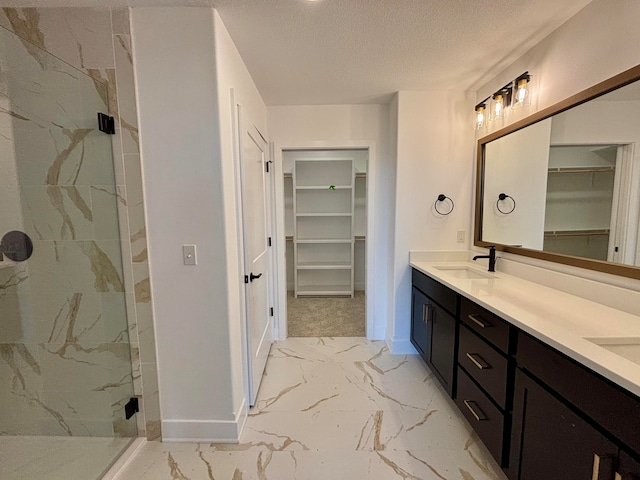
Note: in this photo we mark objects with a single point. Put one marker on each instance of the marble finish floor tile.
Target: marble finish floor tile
(58, 458)
(342, 408)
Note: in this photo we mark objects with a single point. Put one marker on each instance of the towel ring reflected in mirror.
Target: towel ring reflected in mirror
(501, 198)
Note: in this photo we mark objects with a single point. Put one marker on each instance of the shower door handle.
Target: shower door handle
(16, 245)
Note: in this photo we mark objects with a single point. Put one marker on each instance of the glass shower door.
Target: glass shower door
(65, 366)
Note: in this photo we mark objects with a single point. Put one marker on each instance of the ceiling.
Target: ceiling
(361, 51)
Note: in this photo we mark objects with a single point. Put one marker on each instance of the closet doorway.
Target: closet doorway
(325, 219)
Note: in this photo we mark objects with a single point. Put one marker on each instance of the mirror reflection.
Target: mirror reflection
(569, 184)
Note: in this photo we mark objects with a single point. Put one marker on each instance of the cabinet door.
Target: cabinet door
(442, 339)
(549, 441)
(419, 322)
(628, 468)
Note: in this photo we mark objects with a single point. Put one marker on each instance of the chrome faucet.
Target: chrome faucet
(491, 257)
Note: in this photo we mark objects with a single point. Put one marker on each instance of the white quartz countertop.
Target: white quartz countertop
(559, 319)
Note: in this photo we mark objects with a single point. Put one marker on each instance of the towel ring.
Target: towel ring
(441, 198)
(504, 196)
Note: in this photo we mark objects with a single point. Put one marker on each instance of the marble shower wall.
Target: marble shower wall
(68, 332)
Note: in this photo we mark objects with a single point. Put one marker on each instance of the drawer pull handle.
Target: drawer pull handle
(424, 314)
(478, 416)
(596, 467)
(478, 320)
(478, 361)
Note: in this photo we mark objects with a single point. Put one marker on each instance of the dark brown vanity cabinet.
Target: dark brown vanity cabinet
(542, 415)
(568, 422)
(628, 467)
(549, 440)
(434, 327)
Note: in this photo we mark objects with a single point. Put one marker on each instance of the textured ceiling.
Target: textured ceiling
(361, 51)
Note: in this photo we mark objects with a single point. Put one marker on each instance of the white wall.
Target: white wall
(186, 134)
(597, 122)
(232, 74)
(434, 145)
(597, 43)
(517, 165)
(319, 126)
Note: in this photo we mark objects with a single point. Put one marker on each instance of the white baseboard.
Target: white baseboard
(210, 431)
(125, 459)
(399, 347)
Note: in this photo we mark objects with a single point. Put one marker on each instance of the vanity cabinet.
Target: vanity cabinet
(628, 467)
(541, 414)
(549, 440)
(434, 327)
(568, 422)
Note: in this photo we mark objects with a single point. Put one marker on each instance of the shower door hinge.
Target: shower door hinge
(106, 124)
(271, 311)
(131, 408)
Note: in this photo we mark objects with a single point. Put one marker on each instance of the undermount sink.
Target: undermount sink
(626, 347)
(464, 272)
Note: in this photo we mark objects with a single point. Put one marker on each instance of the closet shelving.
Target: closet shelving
(576, 233)
(580, 190)
(323, 239)
(582, 170)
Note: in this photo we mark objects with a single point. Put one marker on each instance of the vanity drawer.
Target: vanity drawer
(486, 324)
(485, 418)
(446, 297)
(485, 364)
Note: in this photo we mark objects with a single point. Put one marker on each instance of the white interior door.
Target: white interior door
(255, 202)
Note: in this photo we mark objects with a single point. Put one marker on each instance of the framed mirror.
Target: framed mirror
(563, 185)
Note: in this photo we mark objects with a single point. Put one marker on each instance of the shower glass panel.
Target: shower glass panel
(65, 366)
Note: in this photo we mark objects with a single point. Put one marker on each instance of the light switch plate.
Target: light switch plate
(461, 236)
(189, 254)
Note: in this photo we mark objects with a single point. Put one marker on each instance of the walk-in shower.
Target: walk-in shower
(65, 366)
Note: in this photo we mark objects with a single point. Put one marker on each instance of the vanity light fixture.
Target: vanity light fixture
(481, 115)
(513, 95)
(522, 95)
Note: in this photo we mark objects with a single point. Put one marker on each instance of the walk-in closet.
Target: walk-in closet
(325, 226)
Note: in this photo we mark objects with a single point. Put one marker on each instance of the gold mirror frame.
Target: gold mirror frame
(613, 83)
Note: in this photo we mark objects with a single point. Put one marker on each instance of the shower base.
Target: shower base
(58, 458)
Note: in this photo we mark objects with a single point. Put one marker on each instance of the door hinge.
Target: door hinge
(269, 241)
(131, 408)
(615, 249)
(271, 311)
(266, 165)
(246, 279)
(106, 124)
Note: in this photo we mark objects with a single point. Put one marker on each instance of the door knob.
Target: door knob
(253, 277)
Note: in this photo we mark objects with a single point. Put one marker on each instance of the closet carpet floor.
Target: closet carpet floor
(335, 409)
(326, 316)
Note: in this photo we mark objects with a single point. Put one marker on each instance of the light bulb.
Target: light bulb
(498, 106)
(480, 117)
(521, 94)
